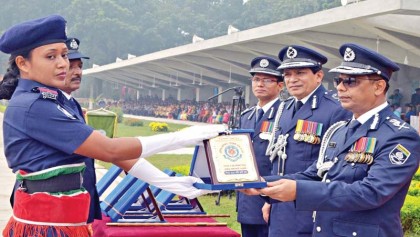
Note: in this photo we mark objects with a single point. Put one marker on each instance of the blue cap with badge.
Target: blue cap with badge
(31, 34)
(266, 65)
(295, 56)
(358, 60)
(73, 46)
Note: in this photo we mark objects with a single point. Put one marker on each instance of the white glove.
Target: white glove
(187, 137)
(182, 186)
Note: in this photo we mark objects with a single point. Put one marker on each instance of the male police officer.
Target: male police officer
(74, 76)
(72, 83)
(366, 165)
(303, 119)
(266, 86)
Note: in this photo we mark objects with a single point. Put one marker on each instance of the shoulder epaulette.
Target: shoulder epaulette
(45, 93)
(290, 98)
(396, 123)
(331, 95)
(247, 110)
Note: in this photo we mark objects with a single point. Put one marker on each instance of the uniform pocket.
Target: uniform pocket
(352, 172)
(304, 222)
(350, 229)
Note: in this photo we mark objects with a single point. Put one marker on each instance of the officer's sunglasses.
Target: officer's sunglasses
(351, 82)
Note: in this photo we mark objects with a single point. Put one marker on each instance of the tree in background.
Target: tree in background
(116, 28)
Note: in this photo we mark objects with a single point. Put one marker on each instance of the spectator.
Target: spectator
(409, 112)
(415, 100)
(395, 99)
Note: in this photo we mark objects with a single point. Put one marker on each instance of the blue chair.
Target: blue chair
(107, 179)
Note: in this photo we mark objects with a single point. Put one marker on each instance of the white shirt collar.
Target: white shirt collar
(366, 116)
(68, 96)
(267, 106)
(306, 98)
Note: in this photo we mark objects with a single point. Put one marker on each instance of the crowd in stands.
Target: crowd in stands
(409, 109)
(203, 111)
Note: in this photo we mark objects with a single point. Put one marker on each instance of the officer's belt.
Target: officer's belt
(60, 183)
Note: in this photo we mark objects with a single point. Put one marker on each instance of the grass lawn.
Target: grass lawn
(131, 131)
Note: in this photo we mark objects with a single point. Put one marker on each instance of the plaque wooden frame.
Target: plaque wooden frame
(203, 166)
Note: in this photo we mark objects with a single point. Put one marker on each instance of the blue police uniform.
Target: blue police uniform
(367, 172)
(89, 176)
(41, 133)
(249, 207)
(321, 107)
(359, 199)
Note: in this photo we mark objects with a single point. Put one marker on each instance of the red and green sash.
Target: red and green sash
(36, 213)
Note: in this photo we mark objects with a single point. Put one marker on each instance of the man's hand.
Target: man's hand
(266, 211)
(283, 190)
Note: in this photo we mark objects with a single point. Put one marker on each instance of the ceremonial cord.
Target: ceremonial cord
(322, 166)
(271, 145)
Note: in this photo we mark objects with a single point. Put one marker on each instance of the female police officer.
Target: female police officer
(45, 142)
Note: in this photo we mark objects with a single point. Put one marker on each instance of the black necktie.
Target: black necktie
(354, 124)
(298, 105)
(260, 113)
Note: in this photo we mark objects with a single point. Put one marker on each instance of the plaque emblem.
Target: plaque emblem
(231, 152)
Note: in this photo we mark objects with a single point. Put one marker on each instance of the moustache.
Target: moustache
(76, 79)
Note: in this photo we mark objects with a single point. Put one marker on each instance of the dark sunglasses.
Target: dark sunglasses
(350, 81)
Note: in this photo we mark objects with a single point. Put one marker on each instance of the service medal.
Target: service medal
(348, 157)
(298, 130)
(307, 138)
(301, 137)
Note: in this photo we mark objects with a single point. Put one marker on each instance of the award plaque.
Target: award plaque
(227, 162)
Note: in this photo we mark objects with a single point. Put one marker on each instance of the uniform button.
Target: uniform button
(352, 164)
(335, 160)
(354, 234)
(318, 229)
(328, 181)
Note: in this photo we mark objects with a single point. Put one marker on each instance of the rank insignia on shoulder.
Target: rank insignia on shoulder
(247, 110)
(399, 155)
(398, 123)
(46, 93)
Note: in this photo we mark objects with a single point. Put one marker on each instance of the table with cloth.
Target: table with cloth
(102, 230)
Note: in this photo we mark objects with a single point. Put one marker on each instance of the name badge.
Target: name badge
(265, 135)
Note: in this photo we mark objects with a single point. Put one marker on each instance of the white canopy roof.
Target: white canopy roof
(392, 27)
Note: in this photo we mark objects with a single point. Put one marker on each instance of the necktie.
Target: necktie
(260, 113)
(298, 105)
(73, 105)
(354, 124)
(76, 107)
